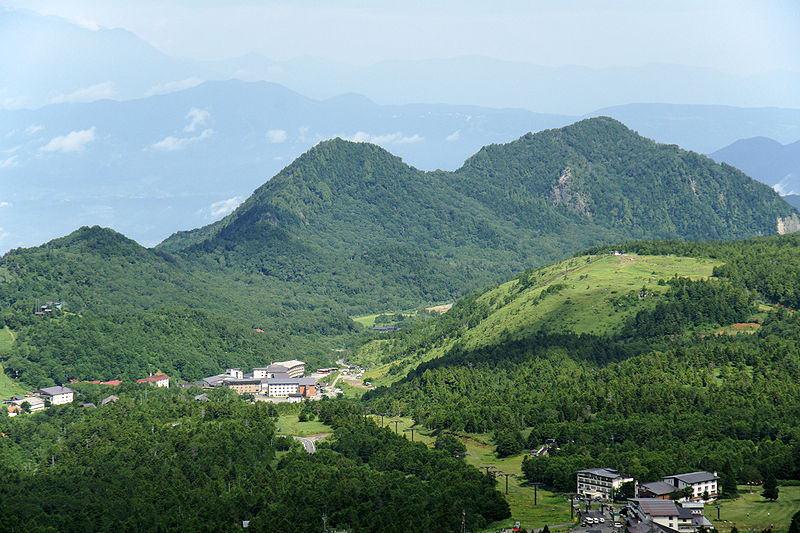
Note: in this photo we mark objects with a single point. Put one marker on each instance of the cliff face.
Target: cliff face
(788, 224)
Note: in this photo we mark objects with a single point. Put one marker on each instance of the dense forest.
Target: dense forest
(157, 460)
(366, 229)
(673, 387)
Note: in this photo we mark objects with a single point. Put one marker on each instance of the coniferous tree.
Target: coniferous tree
(770, 488)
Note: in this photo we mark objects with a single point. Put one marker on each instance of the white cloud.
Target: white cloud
(453, 136)
(4, 204)
(196, 117)
(223, 207)
(33, 128)
(87, 94)
(8, 163)
(173, 86)
(276, 136)
(172, 144)
(3, 234)
(74, 141)
(386, 138)
(85, 23)
(15, 102)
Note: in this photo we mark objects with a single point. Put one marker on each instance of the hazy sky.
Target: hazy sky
(736, 36)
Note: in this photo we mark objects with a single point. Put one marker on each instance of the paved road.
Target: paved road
(309, 443)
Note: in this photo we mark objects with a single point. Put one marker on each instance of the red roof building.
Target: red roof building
(113, 382)
(159, 380)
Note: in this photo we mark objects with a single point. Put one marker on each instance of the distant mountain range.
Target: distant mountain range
(48, 60)
(766, 160)
(163, 150)
(152, 166)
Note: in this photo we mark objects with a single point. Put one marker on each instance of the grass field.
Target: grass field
(751, 511)
(7, 386)
(368, 321)
(289, 425)
(590, 302)
(6, 339)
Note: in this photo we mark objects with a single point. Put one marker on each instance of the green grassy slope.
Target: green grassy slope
(8, 387)
(590, 294)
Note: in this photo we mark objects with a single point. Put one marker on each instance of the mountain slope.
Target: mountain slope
(623, 367)
(345, 207)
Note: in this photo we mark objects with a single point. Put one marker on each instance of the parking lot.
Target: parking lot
(601, 522)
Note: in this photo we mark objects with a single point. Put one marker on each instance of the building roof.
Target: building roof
(52, 391)
(275, 367)
(202, 397)
(602, 472)
(656, 506)
(659, 488)
(153, 379)
(290, 363)
(694, 477)
(114, 382)
(243, 382)
(108, 399)
(289, 381)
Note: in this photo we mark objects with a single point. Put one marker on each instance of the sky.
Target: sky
(738, 37)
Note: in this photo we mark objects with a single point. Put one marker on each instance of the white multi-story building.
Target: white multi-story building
(269, 371)
(57, 395)
(701, 483)
(282, 388)
(294, 368)
(34, 403)
(599, 482)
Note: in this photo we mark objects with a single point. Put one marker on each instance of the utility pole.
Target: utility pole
(412, 430)
(572, 505)
(487, 469)
(507, 476)
(535, 486)
(395, 425)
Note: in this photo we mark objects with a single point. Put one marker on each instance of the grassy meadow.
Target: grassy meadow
(290, 425)
(7, 386)
(596, 298)
(752, 511)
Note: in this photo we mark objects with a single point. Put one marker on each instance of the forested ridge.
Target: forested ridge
(366, 229)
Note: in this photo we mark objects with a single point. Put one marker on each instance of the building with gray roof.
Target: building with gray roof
(599, 482)
(704, 485)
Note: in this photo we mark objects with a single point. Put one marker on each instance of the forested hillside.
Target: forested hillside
(157, 460)
(350, 229)
(696, 374)
(362, 227)
(128, 310)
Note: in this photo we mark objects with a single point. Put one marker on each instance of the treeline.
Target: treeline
(184, 343)
(157, 460)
